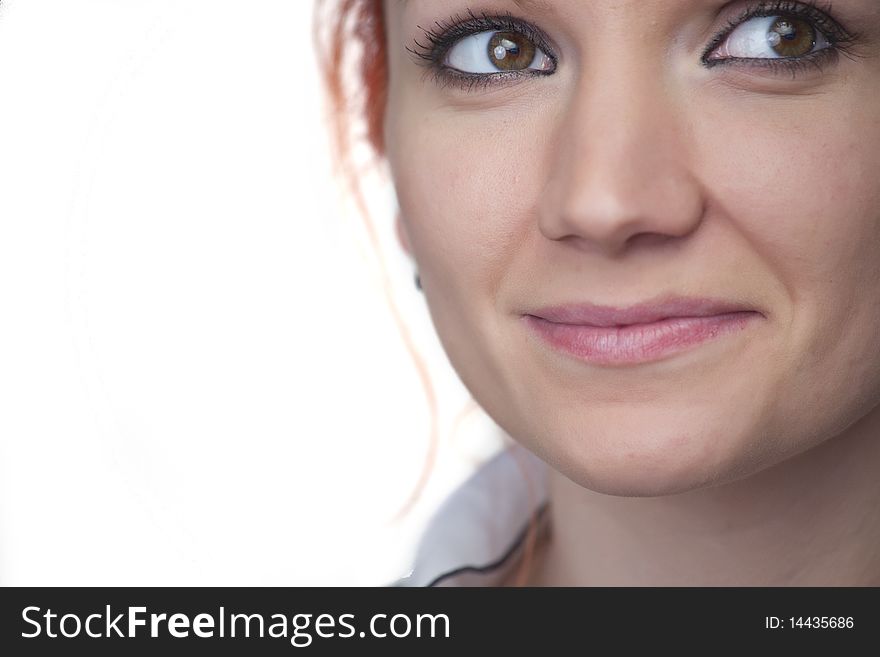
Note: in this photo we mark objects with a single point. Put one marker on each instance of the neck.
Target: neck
(813, 520)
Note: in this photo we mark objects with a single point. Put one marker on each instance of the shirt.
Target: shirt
(477, 535)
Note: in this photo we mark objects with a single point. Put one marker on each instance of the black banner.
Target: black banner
(115, 621)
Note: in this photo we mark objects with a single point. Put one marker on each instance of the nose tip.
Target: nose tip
(611, 218)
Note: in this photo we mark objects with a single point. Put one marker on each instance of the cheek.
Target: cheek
(461, 182)
(803, 186)
(803, 189)
(466, 186)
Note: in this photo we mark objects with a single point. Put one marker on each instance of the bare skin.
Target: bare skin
(621, 168)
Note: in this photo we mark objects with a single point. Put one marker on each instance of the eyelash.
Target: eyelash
(449, 32)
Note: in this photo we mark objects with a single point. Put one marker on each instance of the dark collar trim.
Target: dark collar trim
(539, 513)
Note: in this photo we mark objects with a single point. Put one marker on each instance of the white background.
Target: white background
(201, 382)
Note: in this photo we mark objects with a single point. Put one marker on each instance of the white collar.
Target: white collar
(472, 539)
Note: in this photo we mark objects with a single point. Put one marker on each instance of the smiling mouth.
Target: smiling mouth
(635, 343)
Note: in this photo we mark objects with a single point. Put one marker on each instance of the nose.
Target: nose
(621, 166)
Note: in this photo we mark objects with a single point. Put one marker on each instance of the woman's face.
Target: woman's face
(611, 165)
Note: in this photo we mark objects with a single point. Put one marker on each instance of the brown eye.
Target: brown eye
(772, 37)
(497, 52)
(791, 37)
(510, 51)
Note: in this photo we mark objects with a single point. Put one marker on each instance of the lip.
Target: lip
(645, 332)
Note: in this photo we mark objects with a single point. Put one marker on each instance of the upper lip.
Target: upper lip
(588, 314)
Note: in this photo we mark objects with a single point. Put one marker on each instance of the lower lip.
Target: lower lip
(637, 343)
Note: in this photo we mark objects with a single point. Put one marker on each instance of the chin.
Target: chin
(647, 463)
(635, 479)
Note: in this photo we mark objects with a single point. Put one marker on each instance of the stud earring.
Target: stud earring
(418, 281)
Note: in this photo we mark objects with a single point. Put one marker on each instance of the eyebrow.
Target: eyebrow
(525, 5)
(535, 5)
